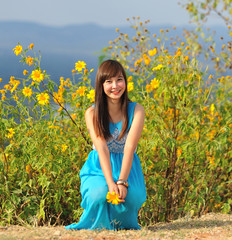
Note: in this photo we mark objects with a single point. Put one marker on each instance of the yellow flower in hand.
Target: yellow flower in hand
(113, 198)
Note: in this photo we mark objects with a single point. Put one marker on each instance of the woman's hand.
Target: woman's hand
(118, 189)
(122, 192)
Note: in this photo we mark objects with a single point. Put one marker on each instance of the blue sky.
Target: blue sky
(102, 12)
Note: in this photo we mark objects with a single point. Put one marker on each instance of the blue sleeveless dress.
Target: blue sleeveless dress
(98, 213)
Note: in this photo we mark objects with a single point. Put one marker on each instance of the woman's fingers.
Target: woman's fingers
(114, 188)
(122, 192)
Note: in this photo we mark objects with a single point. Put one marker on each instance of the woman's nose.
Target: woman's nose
(115, 84)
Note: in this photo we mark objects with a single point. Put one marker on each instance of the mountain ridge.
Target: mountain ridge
(61, 46)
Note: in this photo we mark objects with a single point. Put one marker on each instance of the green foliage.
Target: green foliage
(185, 148)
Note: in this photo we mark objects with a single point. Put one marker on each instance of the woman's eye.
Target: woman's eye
(120, 79)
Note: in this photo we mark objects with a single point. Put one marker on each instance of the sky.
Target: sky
(106, 13)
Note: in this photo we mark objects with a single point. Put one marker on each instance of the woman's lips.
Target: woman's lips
(116, 92)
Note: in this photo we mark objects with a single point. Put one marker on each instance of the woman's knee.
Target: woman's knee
(98, 194)
(135, 197)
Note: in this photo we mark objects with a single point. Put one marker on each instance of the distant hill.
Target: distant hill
(60, 47)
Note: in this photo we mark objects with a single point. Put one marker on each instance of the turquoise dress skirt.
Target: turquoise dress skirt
(98, 213)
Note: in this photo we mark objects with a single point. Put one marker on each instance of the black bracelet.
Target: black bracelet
(122, 182)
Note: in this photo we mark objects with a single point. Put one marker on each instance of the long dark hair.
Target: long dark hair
(101, 117)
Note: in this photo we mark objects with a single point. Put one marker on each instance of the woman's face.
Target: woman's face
(114, 87)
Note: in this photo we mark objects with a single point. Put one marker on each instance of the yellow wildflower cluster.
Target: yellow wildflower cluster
(113, 198)
(153, 85)
(14, 84)
(43, 98)
(58, 96)
(158, 67)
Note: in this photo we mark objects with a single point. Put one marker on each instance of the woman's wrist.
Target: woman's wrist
(122, 182)
(111, 182)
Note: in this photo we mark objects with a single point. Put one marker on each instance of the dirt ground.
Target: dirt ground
(210, 226)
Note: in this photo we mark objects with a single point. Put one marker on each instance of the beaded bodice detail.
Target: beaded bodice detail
(114, 144)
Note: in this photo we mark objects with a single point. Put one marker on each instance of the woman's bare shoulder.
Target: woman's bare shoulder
(89, 111)
(139, 108)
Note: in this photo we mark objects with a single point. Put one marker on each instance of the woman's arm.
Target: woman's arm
(132, 141)
(102, 149)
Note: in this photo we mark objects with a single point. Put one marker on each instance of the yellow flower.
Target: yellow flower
(17, 50)
(129, 79)
(86, 71)
(31, 46)
(29, 60)
(80, 65)
(158, 67)
(10, 133)
(36, 75)
(212, 108)
(14, 83)
(81, 90)
(16, 98)
(3, 97)
(91, 95)
(186, 58)
(148, 88)
(7, 87)
(58, 97)
(152, 52)
(146, 59)
(138, 62)
(154, 83)
(25, 72)
(113, 198)
(28, 168)
(63, 147)
(0, 79)
(179, 151)
(130, 86)
(3, 91)
(43, 98)
(74, 116)
(61, 81)
(27, 92)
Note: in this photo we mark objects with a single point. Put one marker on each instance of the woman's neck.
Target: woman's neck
(115, 112)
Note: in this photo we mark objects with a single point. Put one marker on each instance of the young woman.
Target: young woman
(115, 125)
